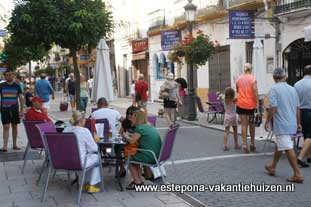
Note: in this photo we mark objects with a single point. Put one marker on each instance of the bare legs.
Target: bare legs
(305, 149)
(6, 133)
(235, 135)
(245, 125)
(136, 173)
(170, 115)
(292, 161)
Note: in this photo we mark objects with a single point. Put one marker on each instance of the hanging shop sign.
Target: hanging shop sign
(169, 39)
(139, 45)
(2, 32)
(241, 24)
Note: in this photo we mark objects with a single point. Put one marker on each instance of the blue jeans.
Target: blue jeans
(83, 103)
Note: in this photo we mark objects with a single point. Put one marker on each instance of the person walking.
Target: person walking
(90, 83)
(70, 89)
(230, 118)
(247, 100)
(141, 89)
(11, 110)
(84, 90)
(44, 89)
(285, 112)
(182, 85)
(303, 88)
(171, 99)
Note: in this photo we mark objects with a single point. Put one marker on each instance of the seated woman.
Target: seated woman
(86, 145)
(148, 138)
(36, 112)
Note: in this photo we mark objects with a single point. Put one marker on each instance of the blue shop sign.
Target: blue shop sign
(84, 57)
(2, 70)
(2, 33)
(241, 24)
(169, 39)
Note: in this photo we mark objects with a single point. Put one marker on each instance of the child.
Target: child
(230, 118)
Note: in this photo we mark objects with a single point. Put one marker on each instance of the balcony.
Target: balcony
(293, 6)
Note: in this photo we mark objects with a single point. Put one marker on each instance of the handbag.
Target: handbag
(256, 120)
(164, 95)
(63, 106)
(156, 171)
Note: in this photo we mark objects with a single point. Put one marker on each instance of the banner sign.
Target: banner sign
(169, 39)
(2, 33)
(241, 24)
(139, 46)
(84, 57)
(2, 70)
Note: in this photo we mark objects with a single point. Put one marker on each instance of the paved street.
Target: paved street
(199, 160)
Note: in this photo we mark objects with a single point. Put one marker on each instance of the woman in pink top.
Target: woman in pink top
(246, 104)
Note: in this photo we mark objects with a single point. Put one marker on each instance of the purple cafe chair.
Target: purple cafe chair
(34, 139)
(88, 125)
(64, 154)
(152, 120)
(165, 153)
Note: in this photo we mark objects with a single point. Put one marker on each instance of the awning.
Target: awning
(140, 56)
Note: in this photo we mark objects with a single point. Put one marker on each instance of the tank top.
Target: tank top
(83, 90)
(71, 87)
(246, 97)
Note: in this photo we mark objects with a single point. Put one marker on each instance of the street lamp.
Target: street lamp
(190, 100)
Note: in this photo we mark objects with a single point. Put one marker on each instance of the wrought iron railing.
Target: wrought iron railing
(294, 5)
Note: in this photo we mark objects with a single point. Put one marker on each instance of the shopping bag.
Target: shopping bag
(63, 106)
(156, 171)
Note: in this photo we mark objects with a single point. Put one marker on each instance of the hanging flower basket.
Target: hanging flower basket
(196, 50)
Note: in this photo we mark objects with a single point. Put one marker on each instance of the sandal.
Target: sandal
(245, 149)
(295, 179)
(237, 147)
(132, 185)
(3, 150)
(226, 148)
(270, 170)
(252, 148)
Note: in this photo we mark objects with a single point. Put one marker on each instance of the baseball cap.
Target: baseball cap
(37, 99)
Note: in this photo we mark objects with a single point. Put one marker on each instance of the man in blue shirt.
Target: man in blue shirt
(303, 88)
(284, 109)
(44, 89)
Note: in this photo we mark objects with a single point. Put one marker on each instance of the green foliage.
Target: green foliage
(48, 70)
(196, 50)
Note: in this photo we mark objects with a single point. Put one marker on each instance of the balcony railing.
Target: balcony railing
(294, 5)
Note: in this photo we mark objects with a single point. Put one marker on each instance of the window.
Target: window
(249, 52)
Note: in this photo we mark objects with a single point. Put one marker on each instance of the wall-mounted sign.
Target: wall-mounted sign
(270, 64)
(241, 24)
(84, 57)
(2, 33)
(169, 39)
(139, 45)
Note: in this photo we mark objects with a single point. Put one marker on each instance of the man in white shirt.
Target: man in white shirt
(90, 81)
(103, 112)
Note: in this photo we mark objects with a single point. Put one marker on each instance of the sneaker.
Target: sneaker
(93, 189)
(302, 164)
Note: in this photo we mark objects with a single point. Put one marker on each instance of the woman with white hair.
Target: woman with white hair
(247, 100)
(169, 93)
(86, 144)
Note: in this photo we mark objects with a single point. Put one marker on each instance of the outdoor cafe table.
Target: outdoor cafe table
(105, 143)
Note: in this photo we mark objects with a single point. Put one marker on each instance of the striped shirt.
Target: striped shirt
(9, 95)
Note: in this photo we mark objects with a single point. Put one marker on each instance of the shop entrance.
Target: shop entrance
(295, 57)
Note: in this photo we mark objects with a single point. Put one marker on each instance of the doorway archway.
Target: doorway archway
(295, 57)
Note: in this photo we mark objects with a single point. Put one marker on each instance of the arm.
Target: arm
(21, 101)
(132, 139)
(90, 142)
(299, 128)
(255, 89)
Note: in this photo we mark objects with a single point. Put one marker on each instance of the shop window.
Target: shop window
(171, 67)
(162, 69)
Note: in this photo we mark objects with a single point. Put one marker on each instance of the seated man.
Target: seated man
(36, 112)
(103, 112)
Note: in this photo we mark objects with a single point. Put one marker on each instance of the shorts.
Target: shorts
(46, 105)
(284, 142)
(306, 123)
(10, 116)
(170, 104)
(142, 103)
(72, 97)
(242, 111)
